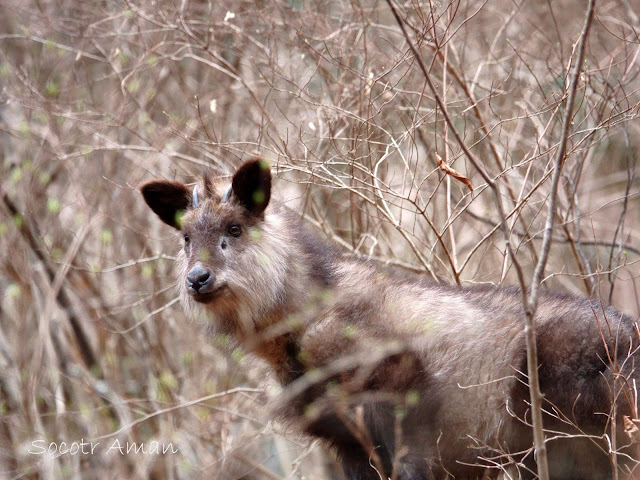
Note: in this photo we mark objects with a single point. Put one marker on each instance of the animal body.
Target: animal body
(402, 378)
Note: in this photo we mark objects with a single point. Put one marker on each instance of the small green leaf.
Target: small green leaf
(188, 358)
(147, 271)
(350, 332)
(106, 236)
(133, 86)
(53, 205)
(13, 290)
(16, 174)
(412, 398)
(144, 117)
(203, 413)
(168, 381)
(23, 127)
(255, 234)
(179, 216)
(210, 388)
(85, 408)
(237, 354)
(399, 411)
(222, 340)
(258, 197)
(51, 89)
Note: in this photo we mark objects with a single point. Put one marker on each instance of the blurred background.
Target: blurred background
(98, 96)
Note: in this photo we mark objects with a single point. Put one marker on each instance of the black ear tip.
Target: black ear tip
(252, 184)
(152, 186)
(153, 192)
(145, 189)
(148, 189)
(167, 199)
(255, 168)
(258, 165)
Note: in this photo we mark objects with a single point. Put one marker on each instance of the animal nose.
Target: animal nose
(199, 280)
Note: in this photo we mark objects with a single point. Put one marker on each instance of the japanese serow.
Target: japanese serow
(403, 379)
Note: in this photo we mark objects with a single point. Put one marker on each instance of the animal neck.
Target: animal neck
(307, 292)
(279, 341)
(282, 355)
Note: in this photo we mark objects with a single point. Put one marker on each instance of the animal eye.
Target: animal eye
(186, 239)
(235, 230)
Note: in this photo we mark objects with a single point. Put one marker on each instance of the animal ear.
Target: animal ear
(251, 185)
(168, 200)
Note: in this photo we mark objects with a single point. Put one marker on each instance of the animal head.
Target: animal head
(235, 255)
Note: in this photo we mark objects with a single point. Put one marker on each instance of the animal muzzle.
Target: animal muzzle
(200, 280)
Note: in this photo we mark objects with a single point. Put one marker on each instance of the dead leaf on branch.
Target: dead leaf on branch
(631, 428)
(450, 171)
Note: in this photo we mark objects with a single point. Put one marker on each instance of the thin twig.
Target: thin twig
(532, 301)
(173, 408)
